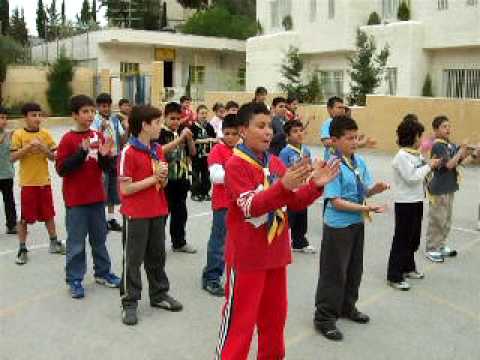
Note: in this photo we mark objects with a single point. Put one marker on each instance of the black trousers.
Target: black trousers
(177, 191)
(143, 242)
(298, 222)
(341, 269)
(200, 176)
(6, 187)
(406, 239)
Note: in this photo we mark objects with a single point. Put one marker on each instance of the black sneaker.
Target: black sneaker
(214, 289)
(167, 302)
(330, 331)
(207, 198)
(12, 230)
(359, 317)
(22, 257)
(198, 198)
(129, 315)
(113, 225)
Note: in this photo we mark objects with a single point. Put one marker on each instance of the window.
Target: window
(313, 10)
(242, 76)
(129, 68)
(442, 4)
(332, 83)
(197, 74)
(278, 10)
(390, 8)
(331, 9)
(462, 83)
(391, 81)
(472, 2)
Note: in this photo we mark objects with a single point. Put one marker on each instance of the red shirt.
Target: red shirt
(247, 247)
(84, 185)
(149, 202)
(219, 156)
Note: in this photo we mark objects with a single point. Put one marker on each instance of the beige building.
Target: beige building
(206, 63)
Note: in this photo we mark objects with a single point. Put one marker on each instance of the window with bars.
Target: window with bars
(129, 68)
(391, 81)
(442, 4)
(332, 83)
(331, 9)
(390, 8)
(461, 83)
(313, 10)
(242, 76)
(472, 2)
(197, 74)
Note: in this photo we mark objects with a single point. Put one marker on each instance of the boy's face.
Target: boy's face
(293, 105)
(443, 131)
(280, 109)
(347, 143)
(33, 119)
(202, 115)
(261, 98)
(220, 113)
(338, 109)
(153, 129)
(258, 133)
(186, 105)
(232, 111)
(85, 116)
(3, 121)
(126, 108)
(104, 109)
(172, 120)
(231, 136)
(295, 137)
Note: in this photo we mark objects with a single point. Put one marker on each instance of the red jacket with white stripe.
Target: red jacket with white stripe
(247, 247)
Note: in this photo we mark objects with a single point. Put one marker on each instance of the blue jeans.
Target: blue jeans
(213, 271)
(80, 222)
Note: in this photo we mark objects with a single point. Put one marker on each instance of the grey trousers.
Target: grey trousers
(439, 221)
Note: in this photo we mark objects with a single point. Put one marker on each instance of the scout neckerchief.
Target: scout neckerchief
(276, 218)
(299, 151)
(151, 151)
(178, 168)
(428, 178)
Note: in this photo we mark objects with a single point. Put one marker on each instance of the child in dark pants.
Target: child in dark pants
(177, 149)
(143, 176)
(409, 172)
(204, 137)
(341, 257)
(294, 152)
(7, 173)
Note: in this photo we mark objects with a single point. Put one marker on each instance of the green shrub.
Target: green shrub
(374, 19)
(59, 90)
(427, 89)
(403, 12)
(287, 23)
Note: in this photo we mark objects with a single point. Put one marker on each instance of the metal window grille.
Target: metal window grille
(332, 83)
(442, 4)
(461, 83)
(197, 74)
(391, 81)
(390, 8)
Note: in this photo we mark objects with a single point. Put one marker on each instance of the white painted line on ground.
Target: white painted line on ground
(470, 231)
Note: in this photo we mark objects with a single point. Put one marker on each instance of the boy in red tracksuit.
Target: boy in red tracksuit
(258, 244)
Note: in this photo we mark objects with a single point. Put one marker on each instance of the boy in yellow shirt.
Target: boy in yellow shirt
(33, 147)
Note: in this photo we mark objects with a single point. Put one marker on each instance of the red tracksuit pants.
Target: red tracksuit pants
(254, 298)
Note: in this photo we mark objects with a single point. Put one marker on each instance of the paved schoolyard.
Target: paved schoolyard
(438, 319)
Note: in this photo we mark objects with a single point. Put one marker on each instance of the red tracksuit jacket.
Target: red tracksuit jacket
(247, 247)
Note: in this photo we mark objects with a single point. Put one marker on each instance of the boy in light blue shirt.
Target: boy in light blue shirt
(291, 154)
(335, 107)
(341, 257)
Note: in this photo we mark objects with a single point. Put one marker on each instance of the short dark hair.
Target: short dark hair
(173, 107)
(123, 102)
(408, 130)
(104, 98)
(261, 91)
(217, 106)
(291, 99)
(333, 100)
(278, 100)
(248, 111)
(231, 105)
(230, 122)
(340, 125)
(289, 125)
(438, 121)
(185, 98)
(29, 107)
(201, 107)
(79, 101)
(3, 111)
(142, 114)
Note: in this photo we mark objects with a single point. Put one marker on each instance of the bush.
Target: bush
(427, 89)
(313, 90)
(219, 21)
(403, 12)
(287, 23)
(374, 19)
(59, 90)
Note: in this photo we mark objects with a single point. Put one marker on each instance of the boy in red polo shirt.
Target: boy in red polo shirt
(82, 156)
(143, 176)
(217, 159)
(258, 244)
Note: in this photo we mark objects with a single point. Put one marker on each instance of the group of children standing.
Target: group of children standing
(141, 159)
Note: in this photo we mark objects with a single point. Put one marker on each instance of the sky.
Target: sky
(72, 8)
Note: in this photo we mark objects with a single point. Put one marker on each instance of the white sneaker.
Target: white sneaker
(414, 275)
(434, 256)
(401, 285)
(447, 252)
(306, 250)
